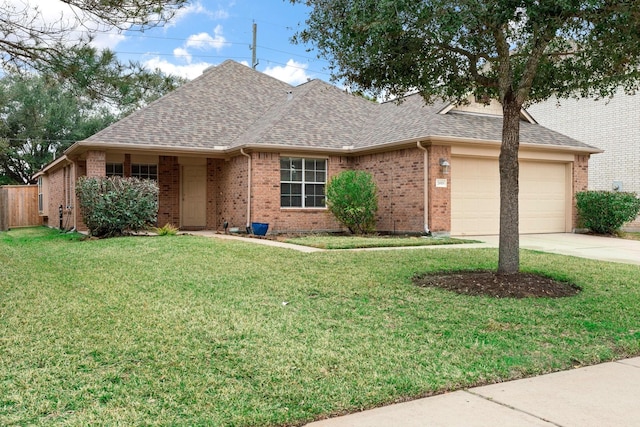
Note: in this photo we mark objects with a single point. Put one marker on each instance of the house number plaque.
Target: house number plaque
(442, 183)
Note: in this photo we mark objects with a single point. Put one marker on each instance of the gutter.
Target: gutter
(426, 187)
(248, 187)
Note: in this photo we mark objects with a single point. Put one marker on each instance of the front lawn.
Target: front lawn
(186, 330)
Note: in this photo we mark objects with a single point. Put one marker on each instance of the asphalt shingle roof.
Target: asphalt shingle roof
(232, 106)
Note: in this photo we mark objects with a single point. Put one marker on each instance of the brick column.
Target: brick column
(96, 163)
(168, 191)
(580, 183)
(126, 167)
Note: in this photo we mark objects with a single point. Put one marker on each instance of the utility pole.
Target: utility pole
(254, 59)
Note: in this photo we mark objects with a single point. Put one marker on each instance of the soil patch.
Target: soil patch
(488, 283)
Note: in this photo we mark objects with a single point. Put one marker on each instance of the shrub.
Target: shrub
(167, 230)
(114, 206)
(604, 212)
(352, 198)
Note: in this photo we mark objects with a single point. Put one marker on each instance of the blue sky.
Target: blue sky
(207, 32)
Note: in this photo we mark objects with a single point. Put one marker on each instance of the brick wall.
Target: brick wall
(266, 198)
(168, 191)
(231, 201)
(55, 197)
(400, 179)
(439, 197)
(612, 125)
(580, 183)
(96, 163)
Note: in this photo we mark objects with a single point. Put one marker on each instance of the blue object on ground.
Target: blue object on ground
(259, 228)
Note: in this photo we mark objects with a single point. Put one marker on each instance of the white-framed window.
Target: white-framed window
(115, 169)
(40, 196)
(144, 171)
(302, 182)
(68, 188)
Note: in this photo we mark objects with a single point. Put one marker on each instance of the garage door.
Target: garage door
(475, 196)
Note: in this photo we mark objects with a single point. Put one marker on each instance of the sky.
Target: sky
(208, 32)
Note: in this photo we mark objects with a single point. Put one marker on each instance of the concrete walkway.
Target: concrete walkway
(579, 245)
(595, 396)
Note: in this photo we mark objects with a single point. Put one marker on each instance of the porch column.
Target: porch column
(96, 163)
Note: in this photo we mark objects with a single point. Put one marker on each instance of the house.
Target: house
(237, 146)
(611, 124)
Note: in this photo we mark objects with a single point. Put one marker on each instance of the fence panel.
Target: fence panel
(20, 206)
(4, 209)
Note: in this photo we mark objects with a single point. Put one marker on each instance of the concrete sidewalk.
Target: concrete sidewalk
(595, 396)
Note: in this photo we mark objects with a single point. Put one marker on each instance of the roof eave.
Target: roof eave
(225, 151)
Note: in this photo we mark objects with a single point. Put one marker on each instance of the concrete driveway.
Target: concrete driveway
(578, 245)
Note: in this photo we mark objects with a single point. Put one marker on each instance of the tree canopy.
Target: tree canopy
(43, 114)
(30, 38)
(515, 51)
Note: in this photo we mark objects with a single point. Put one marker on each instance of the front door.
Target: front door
(193, 208)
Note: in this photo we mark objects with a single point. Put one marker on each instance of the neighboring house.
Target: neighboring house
(610, 124)
(238, 146)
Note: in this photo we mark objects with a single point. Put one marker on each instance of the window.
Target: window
(40, 196)
(144, 171)
(115, 169)
(68, 188)
(302, 182)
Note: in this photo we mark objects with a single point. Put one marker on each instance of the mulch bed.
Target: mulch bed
(488, 283)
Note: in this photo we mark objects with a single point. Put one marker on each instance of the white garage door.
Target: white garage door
(475, 196)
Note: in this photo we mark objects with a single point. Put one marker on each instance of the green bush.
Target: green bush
(604, 212)
(166, 230)
(114, 206)
(352, 198)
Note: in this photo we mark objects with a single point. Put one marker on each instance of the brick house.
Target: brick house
(237, 146)
(611, 124)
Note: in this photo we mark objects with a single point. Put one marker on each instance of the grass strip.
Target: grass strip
(362, 242)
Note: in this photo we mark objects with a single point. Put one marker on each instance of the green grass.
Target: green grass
(190, 330)
(358, 242)
(630, 235)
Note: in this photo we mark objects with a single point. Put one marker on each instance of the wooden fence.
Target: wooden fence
(19, 206)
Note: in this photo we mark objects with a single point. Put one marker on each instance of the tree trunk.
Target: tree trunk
(509, 251)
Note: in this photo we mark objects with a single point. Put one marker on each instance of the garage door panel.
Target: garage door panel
(475, 196)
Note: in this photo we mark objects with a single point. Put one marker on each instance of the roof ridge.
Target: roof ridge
(276, 113)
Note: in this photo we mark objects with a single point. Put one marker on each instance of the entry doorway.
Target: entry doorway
(193, 205)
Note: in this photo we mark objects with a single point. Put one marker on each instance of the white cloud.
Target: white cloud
(183, 54)
(55, 15)
(107, 40)
(189, 71)
(196, 8)
(204, 41)
(294, 73)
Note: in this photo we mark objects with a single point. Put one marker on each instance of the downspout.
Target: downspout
(248, 189)
(426, 188)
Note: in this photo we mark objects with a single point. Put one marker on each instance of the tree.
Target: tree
(29, 38)
(352, 198)
(100, 76)
(515, 51)
(40, 119)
